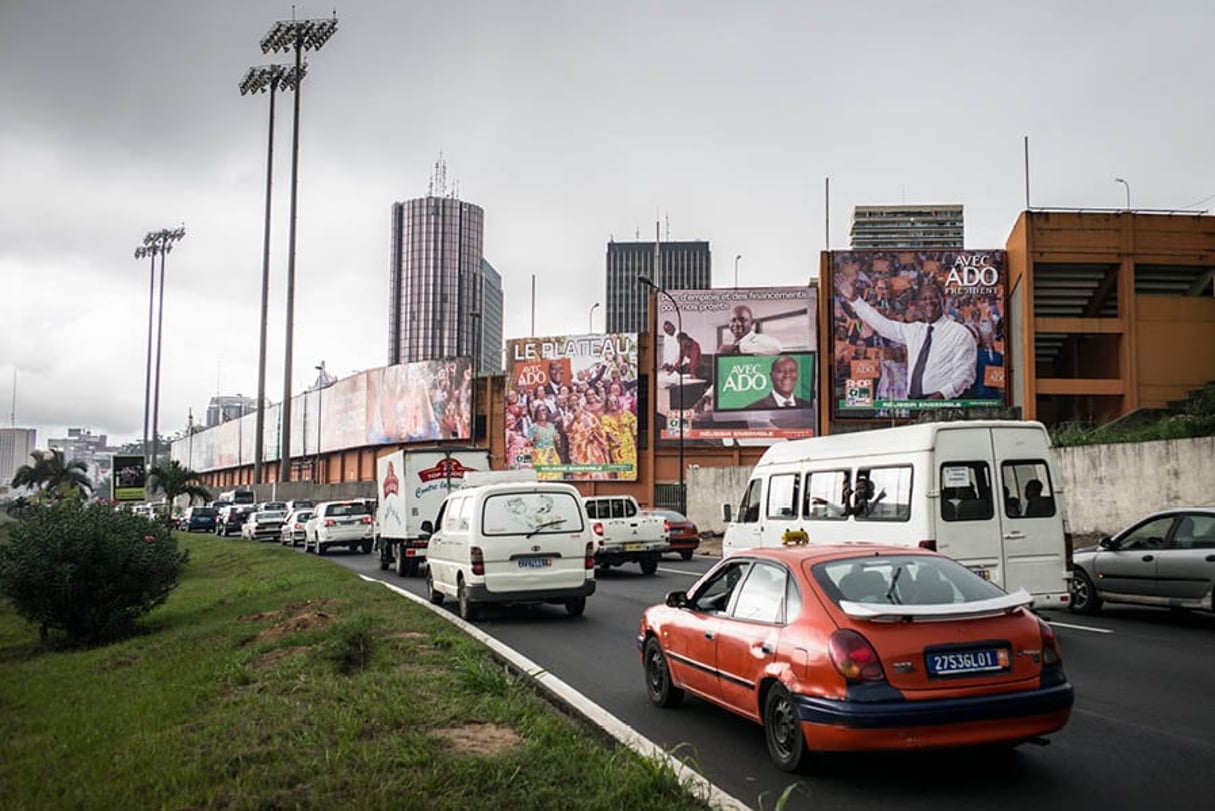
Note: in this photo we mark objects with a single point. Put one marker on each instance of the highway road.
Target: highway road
(1142, 734)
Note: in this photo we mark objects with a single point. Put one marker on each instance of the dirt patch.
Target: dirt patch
(304, 621)
(262, 617)
(480, 739)
(412, 635)
(269, 659)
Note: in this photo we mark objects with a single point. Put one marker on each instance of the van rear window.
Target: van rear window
(532, 513)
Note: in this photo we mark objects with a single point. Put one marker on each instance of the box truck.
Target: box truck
(410, 487)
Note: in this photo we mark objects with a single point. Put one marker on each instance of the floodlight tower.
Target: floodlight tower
(257, 80)
(297, 36)
(161, 242)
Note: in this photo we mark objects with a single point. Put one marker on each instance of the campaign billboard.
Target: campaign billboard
(421, 401)
(571, 406)
(916, 330)
(130, 478)
(736, 365)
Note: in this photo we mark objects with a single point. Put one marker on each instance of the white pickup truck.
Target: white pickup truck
(623, 534)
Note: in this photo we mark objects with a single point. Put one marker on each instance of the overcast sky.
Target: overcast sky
(569, 123)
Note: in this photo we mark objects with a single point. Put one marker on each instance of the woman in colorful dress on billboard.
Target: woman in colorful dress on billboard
(543, 436)
(621, 428)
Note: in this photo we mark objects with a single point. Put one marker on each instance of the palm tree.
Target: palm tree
(51, 474)
(177, 480)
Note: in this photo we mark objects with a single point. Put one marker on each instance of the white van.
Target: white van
(514, 542)
(986, 493)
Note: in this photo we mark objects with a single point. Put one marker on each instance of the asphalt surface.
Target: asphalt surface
(1142, 733)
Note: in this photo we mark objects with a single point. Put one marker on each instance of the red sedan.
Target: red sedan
(858, 647)
(682, 534)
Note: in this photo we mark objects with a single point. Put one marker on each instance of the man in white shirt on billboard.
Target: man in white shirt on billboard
(747, 341)
(941, 353)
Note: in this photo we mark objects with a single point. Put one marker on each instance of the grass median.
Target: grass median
(272, 679)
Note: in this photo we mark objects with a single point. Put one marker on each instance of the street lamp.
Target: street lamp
(1128, 191)
(736, 258)
(683, 501)
(158, 243)
(323, 384)
(297, 36)
(590, 318)
(259, 79)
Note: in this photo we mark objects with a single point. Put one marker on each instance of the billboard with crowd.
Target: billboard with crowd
(571, 406)
(421, 401)
(916, 330)
(736, 365)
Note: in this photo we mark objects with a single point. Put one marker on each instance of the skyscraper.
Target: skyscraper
(490, 359)
(681, 266)
(16, 445)
(436, 277)
(892, 227)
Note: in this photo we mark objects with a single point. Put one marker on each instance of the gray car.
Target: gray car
(1166, 559)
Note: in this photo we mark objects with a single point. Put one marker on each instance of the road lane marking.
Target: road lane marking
(679, 571)
(1081, 627)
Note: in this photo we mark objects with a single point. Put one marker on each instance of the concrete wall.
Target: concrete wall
(1106, 487)
(1109, 486)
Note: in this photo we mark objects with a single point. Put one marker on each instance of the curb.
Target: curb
(558, 689)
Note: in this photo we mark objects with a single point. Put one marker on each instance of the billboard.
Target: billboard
(916, 330)
(130, 478)
(736, 365)
(421, 401)
(571, 406)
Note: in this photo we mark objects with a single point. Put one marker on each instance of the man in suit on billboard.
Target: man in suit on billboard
(784, 374)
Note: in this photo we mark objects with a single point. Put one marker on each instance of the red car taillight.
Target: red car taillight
(366, 519)
(477, 558)
(589, 563)
(931, 546)
(666, 526)
(597, 528)
(329, 522)
(1051, 657)
(854, 657)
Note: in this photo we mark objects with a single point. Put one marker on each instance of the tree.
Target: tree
(177, 480)
(51, 474)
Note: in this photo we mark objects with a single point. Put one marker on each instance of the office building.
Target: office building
(224, 407)
(681, 266)
(489, 360)
(16, 445)
(435, 291)
(906, 227)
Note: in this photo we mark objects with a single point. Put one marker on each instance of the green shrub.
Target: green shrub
(89, 572)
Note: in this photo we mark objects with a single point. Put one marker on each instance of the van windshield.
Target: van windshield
(532, 513)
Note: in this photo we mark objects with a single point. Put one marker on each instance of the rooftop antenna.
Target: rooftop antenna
(667, 231)
(12, 415)
(438, 180)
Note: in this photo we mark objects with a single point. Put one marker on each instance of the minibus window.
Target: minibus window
(826, 495)
(748, 509)
(966, 492)
(782, 496)
(882, 494)
(1028, 492)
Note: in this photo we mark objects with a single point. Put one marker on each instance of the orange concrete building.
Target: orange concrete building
(1108, 312)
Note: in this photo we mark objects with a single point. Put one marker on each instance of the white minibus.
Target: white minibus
(984, 492)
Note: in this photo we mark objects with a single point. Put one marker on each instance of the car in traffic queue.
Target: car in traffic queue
(1166, 558)
(231, 519)
(198, 519)
(682, 534)
(348, 523)
(263, 525)
(293, 528)
(858, 647)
